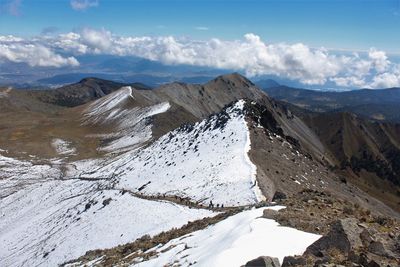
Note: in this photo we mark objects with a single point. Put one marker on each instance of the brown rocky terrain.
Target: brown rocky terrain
(365, 152)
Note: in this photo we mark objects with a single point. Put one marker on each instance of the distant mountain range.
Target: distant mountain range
(148, 79)
(377, 104)
(119, 69)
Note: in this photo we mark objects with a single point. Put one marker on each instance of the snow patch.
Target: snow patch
(4, 94)
(131, 124)
(233, 242)
(109, 102)
(63, 147)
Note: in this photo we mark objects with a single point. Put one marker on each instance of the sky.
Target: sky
(321, 26)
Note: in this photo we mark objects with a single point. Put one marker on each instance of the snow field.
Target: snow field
(52, 222)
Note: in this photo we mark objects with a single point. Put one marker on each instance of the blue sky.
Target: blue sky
(342, 24)
(342, 43)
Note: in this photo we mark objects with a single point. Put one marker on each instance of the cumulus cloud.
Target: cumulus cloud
(379, 60)
(81, 5)
(35, 55)
(386, 80)
(252, 55)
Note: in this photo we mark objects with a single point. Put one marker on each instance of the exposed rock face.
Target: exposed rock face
(263, 261)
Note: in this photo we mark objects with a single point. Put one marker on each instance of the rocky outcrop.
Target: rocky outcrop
(344, 236)
(263, 261)
(350, 242)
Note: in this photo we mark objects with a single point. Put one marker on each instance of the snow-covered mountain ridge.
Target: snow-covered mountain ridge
(205, 162)
(178, 174)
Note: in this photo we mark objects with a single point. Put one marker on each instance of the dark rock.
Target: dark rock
(279, 196)
(263, 261)
(344, 236)
(324, 260)
(330, 265)
(353, 257)
(364, 259)
(378, 248)
(294, 261)
(373, 263)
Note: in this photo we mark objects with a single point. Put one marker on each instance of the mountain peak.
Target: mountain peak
(90, 80)
(234, 79)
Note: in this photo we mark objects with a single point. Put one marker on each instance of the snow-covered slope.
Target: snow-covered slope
(205, 162)
(16, 174)
(63, 210)
(51, 221)
(232, 242)
(130, 124)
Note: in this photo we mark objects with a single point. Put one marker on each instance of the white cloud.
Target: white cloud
(351, 81)
(35, 55)
(100, 41)
(379, 60)
(252, 55)
(386, 80)
(81, 5)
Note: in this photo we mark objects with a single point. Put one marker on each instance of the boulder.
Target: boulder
(343, 236)
(294, 261)
(378, 248)
(264, 261)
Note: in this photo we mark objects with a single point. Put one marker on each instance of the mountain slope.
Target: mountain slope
(80, 93)
(371, 150)
(380, 105)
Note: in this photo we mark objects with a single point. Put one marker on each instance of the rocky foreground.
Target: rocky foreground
(352, 236)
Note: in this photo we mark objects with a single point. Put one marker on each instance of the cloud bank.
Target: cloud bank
(34, 54)
(310, 66)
